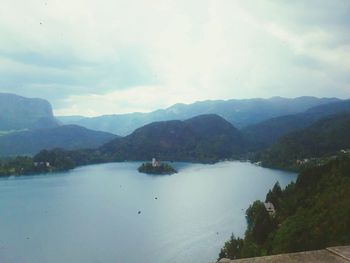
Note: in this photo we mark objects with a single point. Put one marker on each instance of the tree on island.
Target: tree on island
(156, 167)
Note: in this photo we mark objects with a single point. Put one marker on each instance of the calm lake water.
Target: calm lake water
(90, 214)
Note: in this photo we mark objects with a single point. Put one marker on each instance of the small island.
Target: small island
(155, 167)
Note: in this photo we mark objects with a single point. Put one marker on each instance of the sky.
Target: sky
(93, 57)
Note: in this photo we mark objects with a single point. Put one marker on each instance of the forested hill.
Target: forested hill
(204, 138)
(322, 139)
(311, 214)
(264, 134)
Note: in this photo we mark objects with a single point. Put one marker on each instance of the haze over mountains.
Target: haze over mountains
(320, 131)
(28, 126)
(214, 129)
(240, 113)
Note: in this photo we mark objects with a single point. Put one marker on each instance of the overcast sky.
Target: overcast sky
(95, 57)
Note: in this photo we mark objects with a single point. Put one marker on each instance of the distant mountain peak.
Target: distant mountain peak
(18, 113)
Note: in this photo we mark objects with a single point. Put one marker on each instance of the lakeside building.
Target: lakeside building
(270, 208)
(47, 164)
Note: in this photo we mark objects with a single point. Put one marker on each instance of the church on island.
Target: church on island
(156, 167)
(155, 162)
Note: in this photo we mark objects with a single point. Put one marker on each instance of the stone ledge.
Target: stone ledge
(328, 255)
(343, 251)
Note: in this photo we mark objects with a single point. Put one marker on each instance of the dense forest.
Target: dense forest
(312, 213)
(321, 140)
(55, 160)
(20, 166)
(264, 134)
(205, 138)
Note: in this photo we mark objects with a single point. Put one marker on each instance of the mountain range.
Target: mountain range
(205, 137)
(240, 113)
(320, 131)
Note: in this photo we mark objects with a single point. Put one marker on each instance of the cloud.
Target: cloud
(94, 57)
(136, 99)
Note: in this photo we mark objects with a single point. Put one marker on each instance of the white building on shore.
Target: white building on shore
(270, 208)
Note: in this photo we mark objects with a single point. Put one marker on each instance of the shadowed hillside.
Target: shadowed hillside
(264, 134)
(204, 138)
(323, 138)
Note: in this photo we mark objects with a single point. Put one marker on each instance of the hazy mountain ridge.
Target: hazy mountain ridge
(68, 137)
(240, 113)
(18, 113)
(206, 137)
(264, 134)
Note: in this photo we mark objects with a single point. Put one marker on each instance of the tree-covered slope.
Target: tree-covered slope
(324, 138)
(265, 133)
(312, 213)
(69, 137)
(202, 138)
(205, 138)
(19, 113)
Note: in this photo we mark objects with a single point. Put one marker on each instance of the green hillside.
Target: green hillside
(264, 134)
(311, 214)
(324, 138)
(204, 138)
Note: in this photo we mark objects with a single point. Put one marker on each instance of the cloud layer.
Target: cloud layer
(107, 56)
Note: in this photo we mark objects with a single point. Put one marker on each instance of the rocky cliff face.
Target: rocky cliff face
(18, 113)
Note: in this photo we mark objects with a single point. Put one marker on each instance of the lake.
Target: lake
(91, 214)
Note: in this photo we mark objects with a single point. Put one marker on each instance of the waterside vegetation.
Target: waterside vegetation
(311, 146)
(162, 168)
(312, 213)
